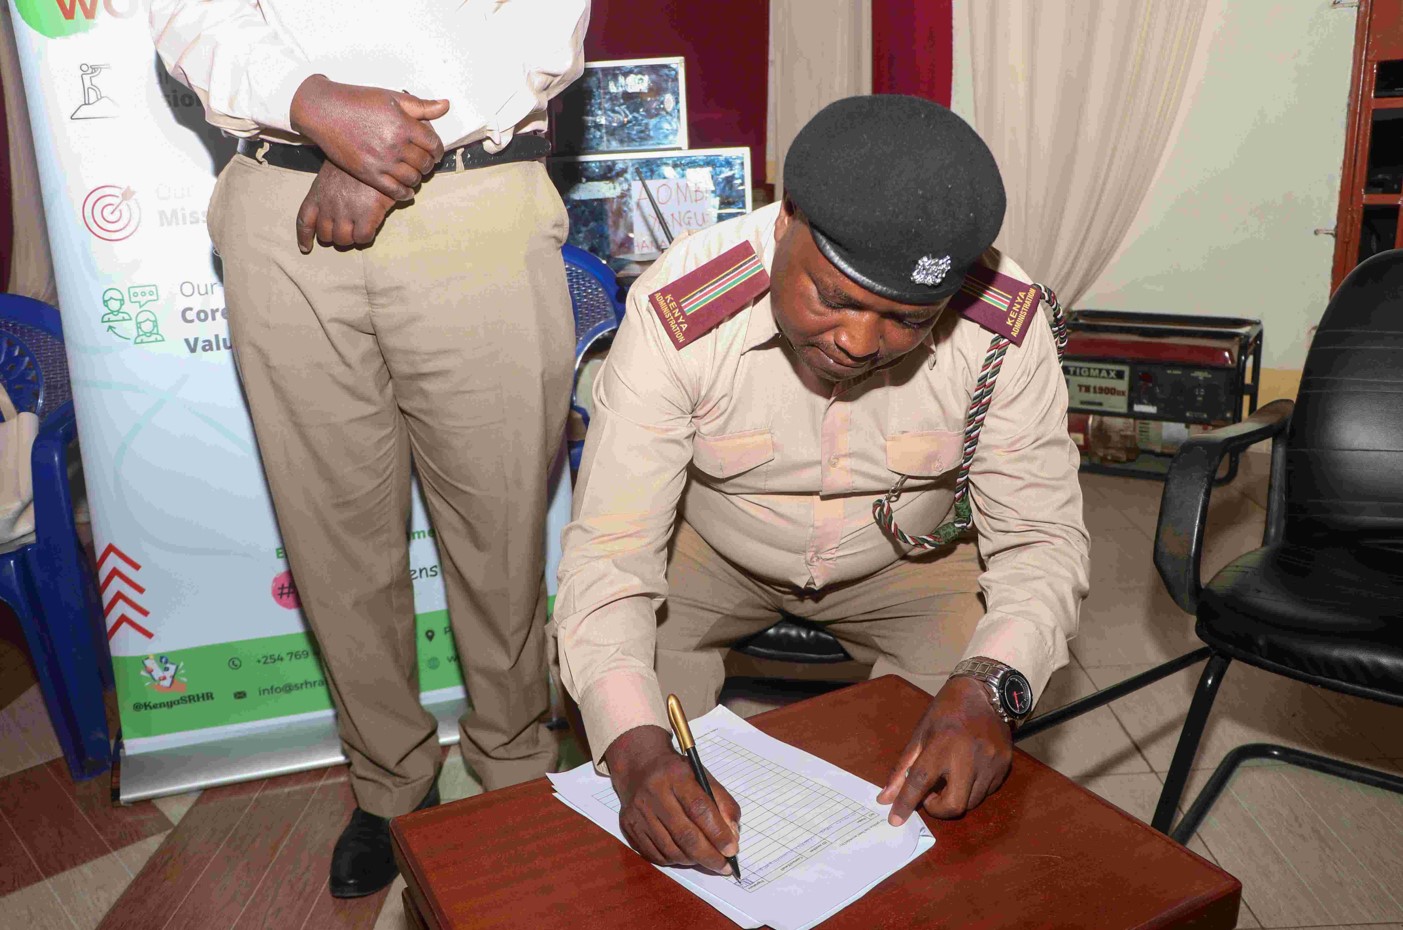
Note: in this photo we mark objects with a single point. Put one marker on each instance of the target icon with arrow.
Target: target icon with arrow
(111, 213)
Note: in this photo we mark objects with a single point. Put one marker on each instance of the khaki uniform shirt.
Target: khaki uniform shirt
(777, 471)
(497, 62)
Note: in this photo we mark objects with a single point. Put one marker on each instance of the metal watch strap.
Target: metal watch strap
(988, 671)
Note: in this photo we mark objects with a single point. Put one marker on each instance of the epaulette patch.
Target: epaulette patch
(705, 297)
(1000, 304)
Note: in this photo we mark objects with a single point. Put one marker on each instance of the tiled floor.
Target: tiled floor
(1311, 851)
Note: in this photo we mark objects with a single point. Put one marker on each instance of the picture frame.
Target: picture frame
(610, 215)
(628, 105)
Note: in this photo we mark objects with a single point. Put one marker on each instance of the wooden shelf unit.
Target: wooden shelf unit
(1371, 178)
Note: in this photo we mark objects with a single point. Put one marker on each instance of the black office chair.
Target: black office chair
(793, 639)
(1322, 600)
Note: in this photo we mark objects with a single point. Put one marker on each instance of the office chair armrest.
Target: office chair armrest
(1183, 508)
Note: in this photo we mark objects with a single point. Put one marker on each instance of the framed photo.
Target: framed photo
(627, 208)
(638, 105)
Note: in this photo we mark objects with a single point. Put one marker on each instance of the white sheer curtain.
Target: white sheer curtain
(1077, 100)
(820, 51)
(31, 269)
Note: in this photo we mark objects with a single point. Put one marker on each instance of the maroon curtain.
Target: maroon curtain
(727, 47)
(913, 48)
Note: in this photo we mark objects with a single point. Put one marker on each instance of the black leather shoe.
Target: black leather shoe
(364, 860)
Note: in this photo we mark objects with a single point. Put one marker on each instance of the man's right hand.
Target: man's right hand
(339, 210)
(665, 814)
(380, 137)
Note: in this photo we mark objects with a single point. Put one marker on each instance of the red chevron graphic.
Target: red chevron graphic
(131, 623)
(122, 596)
(117, 573)
(113, 550)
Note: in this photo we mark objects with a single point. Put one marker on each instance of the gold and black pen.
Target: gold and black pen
(689, 749)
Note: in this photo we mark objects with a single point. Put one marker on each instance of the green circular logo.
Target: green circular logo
(60, 18)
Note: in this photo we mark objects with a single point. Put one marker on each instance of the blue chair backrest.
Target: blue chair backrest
(33, 365)
(594, 293)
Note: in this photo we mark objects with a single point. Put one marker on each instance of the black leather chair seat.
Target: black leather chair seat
(1327, 616)
(794, 640)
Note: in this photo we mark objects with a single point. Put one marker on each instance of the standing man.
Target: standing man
(433, 326)
(776, 377)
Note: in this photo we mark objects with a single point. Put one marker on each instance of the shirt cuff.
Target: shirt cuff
(279, 78)
(617, 703)
(1021, 645)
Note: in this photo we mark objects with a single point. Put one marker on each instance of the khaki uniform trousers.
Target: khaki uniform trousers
(447, 343)
(912, 619)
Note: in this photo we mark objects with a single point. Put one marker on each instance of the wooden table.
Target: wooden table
(1043, 852)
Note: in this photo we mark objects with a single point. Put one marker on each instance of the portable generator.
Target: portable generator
(1138, 384)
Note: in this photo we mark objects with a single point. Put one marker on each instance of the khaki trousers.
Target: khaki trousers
(913, 618)
(447, 343)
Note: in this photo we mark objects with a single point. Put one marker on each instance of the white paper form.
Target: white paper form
(813, 838)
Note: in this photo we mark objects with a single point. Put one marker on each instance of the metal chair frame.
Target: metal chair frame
(1178, 550)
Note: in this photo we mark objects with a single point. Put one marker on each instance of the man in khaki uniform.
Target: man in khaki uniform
(444, 339)
(774, 376)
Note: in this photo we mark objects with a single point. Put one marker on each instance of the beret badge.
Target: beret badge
(930, 270)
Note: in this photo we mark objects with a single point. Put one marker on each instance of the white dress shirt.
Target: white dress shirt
(497, 62)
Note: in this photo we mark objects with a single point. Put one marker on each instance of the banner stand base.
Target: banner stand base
(296, 747)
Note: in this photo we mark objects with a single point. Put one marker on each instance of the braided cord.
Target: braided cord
(952, 530)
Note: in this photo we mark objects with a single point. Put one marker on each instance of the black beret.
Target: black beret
(900, 193)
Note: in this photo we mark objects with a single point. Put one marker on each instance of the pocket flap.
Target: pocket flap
(728, 456)
(924, 454)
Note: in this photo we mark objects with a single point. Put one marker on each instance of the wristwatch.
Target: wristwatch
(1009, 691)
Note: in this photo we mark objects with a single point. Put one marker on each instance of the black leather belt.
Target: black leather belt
(310, 158)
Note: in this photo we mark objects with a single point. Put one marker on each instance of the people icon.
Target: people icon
(147, 329)
(96, 104)
(113, 301)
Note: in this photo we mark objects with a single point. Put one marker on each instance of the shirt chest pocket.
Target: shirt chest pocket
(731, 456)
(925, 454)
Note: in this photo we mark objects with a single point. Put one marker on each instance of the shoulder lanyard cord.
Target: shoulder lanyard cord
(952, 530)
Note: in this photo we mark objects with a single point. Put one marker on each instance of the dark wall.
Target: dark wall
(727, 47)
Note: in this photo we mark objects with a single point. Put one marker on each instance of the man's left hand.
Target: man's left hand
(960, 754)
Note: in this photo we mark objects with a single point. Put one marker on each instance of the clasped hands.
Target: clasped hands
(959, 755)
(379, 146)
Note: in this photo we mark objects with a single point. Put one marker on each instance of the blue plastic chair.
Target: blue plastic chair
(594, 293)
(48, 582)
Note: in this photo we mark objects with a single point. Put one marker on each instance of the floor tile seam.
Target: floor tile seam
(313, 908)
(1300, 879)
(1180, 810)
(1341, 717)
(1139, 750)
(1361, 789)
(4, 818)
(1349, 848)
(213, 857)
(61, 904)
(111, 850)
(19, 731)
(292, 831)
(1126, 514)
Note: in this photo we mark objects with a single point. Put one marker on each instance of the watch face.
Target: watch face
(1017, 695)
